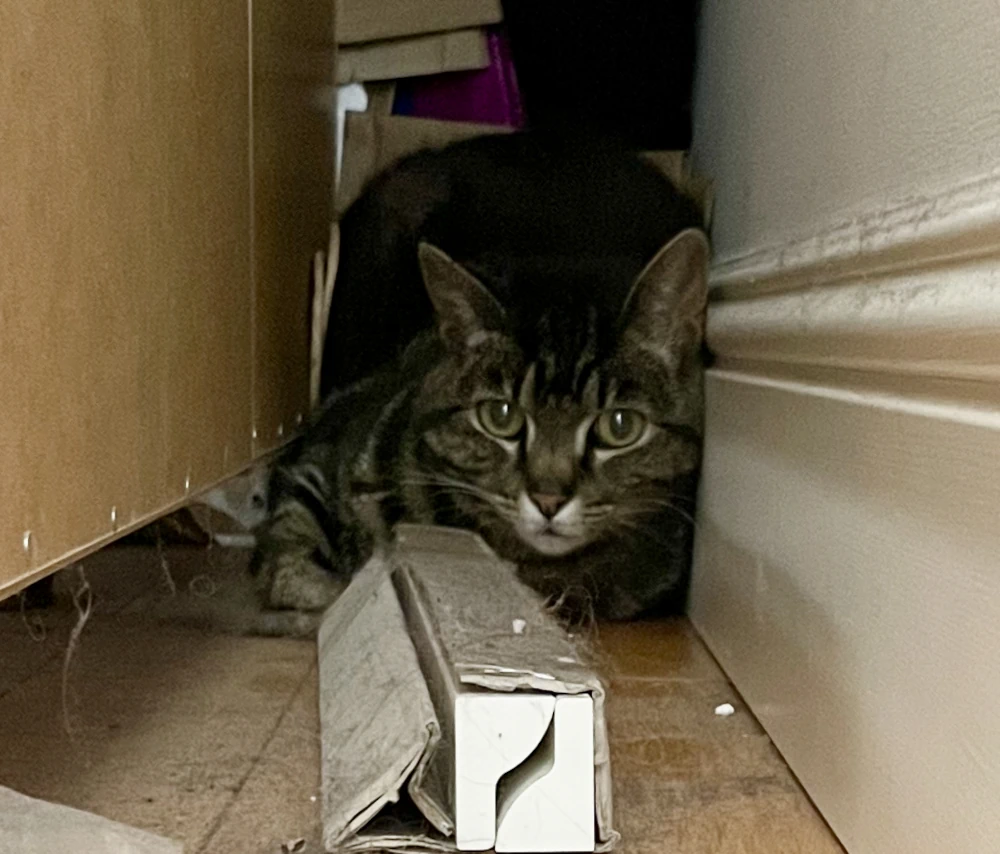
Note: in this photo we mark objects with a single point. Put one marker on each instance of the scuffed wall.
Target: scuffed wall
(810, 114)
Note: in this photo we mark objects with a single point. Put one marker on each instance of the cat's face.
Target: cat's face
(551, 445)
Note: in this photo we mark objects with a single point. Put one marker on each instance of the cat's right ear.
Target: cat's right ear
(464, 306)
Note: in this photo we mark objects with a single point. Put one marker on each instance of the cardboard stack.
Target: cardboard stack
(393, 39)
(424, 73)
(444, 61)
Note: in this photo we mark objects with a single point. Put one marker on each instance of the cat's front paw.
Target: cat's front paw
(295, 581)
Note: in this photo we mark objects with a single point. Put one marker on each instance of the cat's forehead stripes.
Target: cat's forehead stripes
(584, 391)
(609, 392)
(526, 392)
(565, 368)
(591, 395)
(588, 352)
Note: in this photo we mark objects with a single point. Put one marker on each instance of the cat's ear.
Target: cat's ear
(665, 311)
(464, 306)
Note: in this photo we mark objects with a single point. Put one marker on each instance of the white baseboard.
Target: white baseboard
(961, 221)
(848, 553)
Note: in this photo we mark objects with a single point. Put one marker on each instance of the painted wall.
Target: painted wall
(809, 114)
(847, 565)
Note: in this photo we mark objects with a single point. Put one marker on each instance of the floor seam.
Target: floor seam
(255, 762)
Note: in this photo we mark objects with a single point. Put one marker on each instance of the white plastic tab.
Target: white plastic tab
(524, 772)
(547, 805)
(494, 733)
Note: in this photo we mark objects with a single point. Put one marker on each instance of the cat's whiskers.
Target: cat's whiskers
(445, 483)
(596, 512)
(644, 530)
(641, 507)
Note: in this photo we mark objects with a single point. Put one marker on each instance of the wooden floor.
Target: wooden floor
(213, 739)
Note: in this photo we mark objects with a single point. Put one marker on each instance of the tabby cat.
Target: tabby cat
(515, 348)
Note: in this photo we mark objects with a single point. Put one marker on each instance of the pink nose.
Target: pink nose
(549, 504)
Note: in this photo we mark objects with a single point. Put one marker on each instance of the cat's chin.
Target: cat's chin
(550, 544)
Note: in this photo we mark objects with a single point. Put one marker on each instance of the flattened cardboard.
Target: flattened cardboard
(438, 608)
(676, 165)
(436, 53)
(376, 714)
(375, 20)
(381, 96)
(30, 826)
(673, 164)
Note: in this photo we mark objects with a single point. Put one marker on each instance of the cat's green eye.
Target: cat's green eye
(502, 418)
(619, 428)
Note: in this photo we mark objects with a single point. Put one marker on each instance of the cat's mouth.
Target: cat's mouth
(552, 537)
(552, 544)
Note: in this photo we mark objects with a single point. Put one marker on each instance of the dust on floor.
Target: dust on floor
(213, 739)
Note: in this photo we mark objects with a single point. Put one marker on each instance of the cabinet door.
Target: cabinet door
(293, 155)
(140, 260)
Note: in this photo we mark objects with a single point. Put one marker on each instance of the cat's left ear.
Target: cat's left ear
(464, 306)
(665, 310)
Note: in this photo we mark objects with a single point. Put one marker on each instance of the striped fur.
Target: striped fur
(568, 339)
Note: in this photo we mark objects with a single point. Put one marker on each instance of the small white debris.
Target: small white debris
(313, 798)
(518, 626)
(565, 659)
(725, 710)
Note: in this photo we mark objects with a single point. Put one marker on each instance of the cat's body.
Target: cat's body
(522, 373)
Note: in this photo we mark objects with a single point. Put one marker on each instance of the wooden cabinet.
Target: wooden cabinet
(166, 180)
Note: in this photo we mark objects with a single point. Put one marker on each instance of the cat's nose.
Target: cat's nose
(548, 503)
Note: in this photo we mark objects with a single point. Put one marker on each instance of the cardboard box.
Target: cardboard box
(436, 53)
(438, 613)
(381, 96)
(375, 20)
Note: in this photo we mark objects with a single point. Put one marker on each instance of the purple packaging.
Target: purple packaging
(486, 96)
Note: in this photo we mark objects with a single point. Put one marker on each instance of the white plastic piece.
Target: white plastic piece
(494, 733)
(547, 805)
(351, 98)
(518, 626)
(725, 710)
